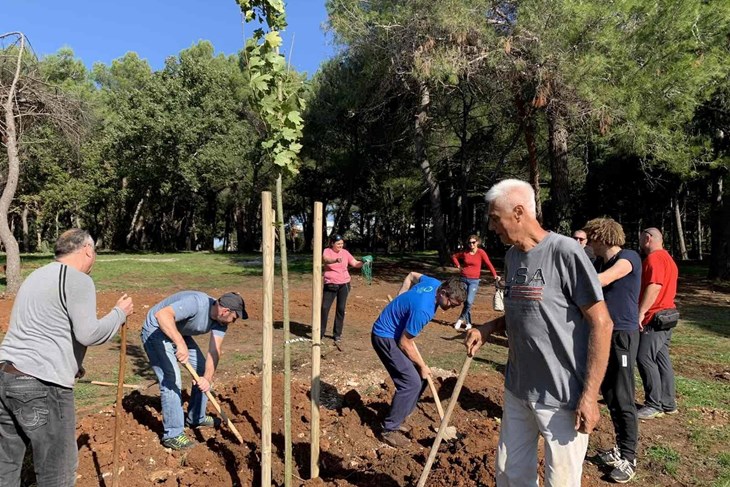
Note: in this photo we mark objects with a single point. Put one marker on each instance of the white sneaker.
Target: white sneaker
(467, 326)
(457, 325)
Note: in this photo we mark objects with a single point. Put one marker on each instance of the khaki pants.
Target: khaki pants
(522, 424)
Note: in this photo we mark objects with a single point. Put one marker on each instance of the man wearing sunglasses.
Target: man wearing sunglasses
(393, 339)
(167, 337)
(582, 239)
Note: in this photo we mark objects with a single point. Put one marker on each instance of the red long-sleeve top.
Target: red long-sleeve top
(471, 264)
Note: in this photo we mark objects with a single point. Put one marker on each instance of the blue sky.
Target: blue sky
(104, 30)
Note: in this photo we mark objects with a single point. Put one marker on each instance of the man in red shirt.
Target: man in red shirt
(658, 288)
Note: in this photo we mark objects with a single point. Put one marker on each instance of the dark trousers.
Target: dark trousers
(655, 368)
(618, 390)
(408, 382)
(42, 415)
(332, 291)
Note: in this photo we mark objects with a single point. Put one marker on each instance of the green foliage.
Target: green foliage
(276, 92)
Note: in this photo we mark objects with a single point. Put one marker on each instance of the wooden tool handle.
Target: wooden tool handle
(216, 405)
(118, 405)
(444, 422)
(436, 399)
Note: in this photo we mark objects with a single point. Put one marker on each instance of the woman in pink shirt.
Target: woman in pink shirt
(336, 282)
(469, 262)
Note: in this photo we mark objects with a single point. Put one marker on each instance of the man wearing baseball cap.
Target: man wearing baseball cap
(167, 339)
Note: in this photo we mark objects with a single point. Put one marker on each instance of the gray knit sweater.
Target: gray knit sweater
(47, 339)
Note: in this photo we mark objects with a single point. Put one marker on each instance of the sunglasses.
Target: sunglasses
(472, 241)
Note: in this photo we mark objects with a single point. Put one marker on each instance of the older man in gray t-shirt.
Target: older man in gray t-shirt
(559, 333)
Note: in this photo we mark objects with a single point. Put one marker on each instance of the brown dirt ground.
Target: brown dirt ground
(355, 396)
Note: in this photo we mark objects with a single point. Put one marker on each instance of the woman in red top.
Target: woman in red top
(469, 263)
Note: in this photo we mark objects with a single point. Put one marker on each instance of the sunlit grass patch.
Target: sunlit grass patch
(703, 393)
(665, 457)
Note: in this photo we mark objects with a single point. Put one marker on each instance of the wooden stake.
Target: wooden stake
(110, 384)
(216, 405)
(118, 406)
(316, 340)
(267, 228)
(287, 346)
(444, 422)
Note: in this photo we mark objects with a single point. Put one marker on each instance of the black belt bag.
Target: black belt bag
(665, 319)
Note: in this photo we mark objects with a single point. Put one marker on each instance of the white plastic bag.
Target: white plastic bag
(498, 301)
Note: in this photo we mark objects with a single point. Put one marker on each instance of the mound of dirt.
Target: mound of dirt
(351, 453)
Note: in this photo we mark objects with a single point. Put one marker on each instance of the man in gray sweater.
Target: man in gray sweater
(52, 322)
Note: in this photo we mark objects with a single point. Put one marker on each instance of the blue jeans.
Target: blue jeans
(472, 286)
(42, 415)
(161, 352)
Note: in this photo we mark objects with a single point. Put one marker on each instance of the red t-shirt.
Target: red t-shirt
(471, 264)
(659, 268)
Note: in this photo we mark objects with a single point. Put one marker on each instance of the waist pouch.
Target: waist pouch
(665, 319)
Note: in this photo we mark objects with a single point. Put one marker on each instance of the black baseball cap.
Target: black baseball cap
(234, 302)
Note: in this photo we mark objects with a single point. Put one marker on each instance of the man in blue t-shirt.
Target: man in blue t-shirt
(167, 338)
(393, 339)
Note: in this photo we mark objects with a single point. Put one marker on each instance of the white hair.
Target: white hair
(513, 192)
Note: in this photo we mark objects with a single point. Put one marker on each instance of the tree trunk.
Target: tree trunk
(24, 220)
(135, 219)
(528, 126)
(699, 232)
(680, 229)
(560, 218)
(719, 229)
(434, 191)
(12, 269)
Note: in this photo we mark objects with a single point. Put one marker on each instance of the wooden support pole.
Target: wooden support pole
(118, 411)
(267, 227)
(444, 422)
(288, 462)
(316, 340)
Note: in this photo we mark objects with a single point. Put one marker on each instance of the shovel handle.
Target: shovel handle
(436, 399)
(444, 422)
(215, 404)
(118, 405)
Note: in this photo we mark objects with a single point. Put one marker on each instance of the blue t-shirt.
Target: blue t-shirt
(411, 311)
(192, 315)
(622, 295)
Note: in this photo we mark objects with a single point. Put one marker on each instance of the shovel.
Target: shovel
(450, 433)
(215, 404)
(444, 423)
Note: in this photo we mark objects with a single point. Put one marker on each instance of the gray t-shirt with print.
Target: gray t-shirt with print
(548, 334)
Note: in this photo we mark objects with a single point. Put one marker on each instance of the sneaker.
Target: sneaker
(457, 325)
(623, 471)
(611, 457)
(180, 442)
(396, 439)
(207, 422)
(467, 326)
(672, 412)
(648, 412)
(405, 429)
